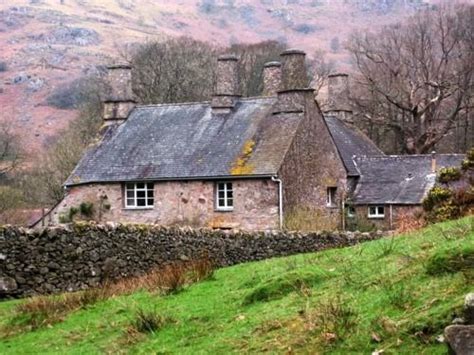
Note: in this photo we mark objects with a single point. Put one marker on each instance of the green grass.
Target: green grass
(396, 295)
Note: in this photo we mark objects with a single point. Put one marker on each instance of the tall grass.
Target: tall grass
(41, 311)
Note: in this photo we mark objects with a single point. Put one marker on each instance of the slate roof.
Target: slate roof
(182, 141)
(350, 141)
(398, 179)
(186, 141)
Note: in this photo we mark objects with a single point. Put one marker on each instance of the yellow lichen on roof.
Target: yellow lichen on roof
(241, 165)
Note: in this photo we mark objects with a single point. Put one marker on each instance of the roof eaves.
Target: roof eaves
(192, 178)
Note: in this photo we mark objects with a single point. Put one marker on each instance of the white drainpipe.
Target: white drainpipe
(280, 199)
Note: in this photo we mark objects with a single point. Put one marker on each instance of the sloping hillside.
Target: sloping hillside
(391, 295)
(47, 43)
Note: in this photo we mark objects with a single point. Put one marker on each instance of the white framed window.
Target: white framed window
(331, 196)
(376, 211)
(139, 195)
(351, 212)
(224, 196)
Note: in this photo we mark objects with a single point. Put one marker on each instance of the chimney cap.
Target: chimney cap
(272, 64)
(333, 75)
(227, 57)
(119, 66)
(293, 51)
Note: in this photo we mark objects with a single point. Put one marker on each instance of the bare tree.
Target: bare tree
(184, 70)
(416, 78)
(319, 69)
(252, 59)
(177, 70)
(10, 152)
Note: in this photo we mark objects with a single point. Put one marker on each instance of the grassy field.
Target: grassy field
(395, 294)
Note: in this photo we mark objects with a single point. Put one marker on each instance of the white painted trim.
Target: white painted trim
(226, 190)
(376, 215)
(145, 189)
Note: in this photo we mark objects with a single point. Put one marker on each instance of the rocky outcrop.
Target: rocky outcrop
(460, 336)
(76, 257)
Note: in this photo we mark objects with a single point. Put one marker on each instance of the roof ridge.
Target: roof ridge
(251, 98)
(173, 104)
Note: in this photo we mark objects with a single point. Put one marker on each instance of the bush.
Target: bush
(87, 209)
(451, 261)
(149, 322)
(449, 174)
(468, 163)
(436, 195)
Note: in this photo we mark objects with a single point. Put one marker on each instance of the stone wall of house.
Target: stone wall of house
(78, 256)
(182, 203)
(361, 220)
(311, 165)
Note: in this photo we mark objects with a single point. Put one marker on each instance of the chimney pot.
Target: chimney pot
(433, 162)
(294, 75)
(294, 92)
(227, 85)
(271, 78)
(120, 101)
(338, 97)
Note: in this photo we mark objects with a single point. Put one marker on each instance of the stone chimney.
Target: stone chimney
(120, 100)
(271, 78)
(227, 92)
(338, 97)
(294, 84)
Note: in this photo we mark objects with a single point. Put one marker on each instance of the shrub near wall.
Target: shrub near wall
(79, 256)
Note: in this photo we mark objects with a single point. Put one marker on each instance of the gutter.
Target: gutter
(280, 198)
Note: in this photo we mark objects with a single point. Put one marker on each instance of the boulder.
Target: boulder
(460, 339)
(7, 285)
(469, 308)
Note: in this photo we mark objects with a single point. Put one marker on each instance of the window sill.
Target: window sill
(224, 210)
(376, 217)
(137, 208)
(331, 206)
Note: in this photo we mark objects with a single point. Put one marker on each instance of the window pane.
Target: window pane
(220, 186)
(230, 194)
(372, 210)
(151, 193)
(140, 185)
(141, 194)
(230, 202)
(149, 186)
(221, 194)
(141, 202)
(150, 202)
(130, 202)
(221, 202)
(130, 187)
(229, 186)
(130, 194)
(381, 210)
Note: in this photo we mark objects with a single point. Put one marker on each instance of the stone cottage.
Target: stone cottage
(233, 162)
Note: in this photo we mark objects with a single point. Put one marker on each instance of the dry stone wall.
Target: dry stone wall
(79, 256)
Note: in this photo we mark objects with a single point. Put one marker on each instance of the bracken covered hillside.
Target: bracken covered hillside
(46, 44)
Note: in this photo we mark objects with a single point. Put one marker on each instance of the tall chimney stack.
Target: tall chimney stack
(120, 100)
(294, 84)
(338, 97)
(271, 78)
(227, 91)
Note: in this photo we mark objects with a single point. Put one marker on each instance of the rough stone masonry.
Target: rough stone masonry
(80, 256)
